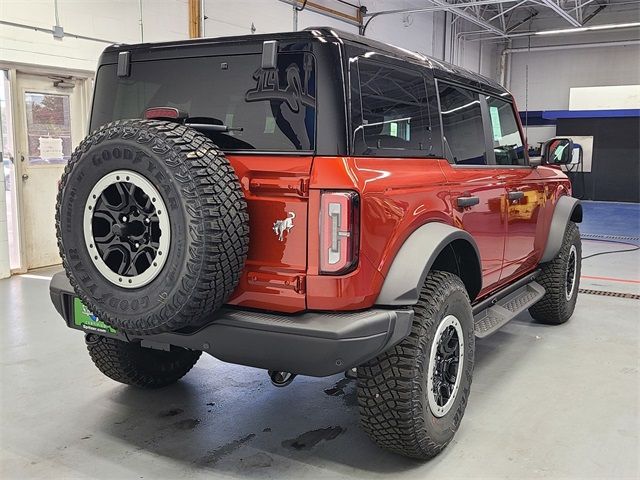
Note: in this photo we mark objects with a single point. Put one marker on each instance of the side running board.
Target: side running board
(501, 311)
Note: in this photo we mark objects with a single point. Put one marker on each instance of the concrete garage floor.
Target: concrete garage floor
(545, 402)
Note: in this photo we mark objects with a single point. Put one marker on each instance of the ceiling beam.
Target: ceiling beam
(560, 11)
(469, 16)
(440, 5)
(438, 8)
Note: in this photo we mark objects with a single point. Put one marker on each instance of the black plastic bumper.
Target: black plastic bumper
(312, 343)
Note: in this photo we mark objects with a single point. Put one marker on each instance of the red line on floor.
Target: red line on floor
(622, 280)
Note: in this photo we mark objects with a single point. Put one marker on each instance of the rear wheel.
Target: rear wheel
(412, 397)
(561, 279)
(132, 364)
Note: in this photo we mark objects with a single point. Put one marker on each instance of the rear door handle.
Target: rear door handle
(515, 195)
(468, 201)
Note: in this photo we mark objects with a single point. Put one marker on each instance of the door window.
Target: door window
(48, 128)
(508, 146)
(464, 141)
(393, 113)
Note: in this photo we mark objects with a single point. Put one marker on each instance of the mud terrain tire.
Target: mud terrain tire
(206, 226)
(561, 279)
(131, 364)
(396, 410)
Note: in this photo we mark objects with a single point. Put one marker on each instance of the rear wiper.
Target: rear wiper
(210, 124)
(213, 128)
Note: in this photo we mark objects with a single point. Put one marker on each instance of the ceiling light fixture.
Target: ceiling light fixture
(588, 29)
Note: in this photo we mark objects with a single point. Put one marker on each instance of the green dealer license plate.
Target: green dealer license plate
(83, 318)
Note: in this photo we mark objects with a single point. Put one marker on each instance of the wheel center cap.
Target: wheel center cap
(119, 230)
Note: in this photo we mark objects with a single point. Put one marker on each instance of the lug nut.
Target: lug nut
(124, 218)
(146, 220)
(137, 245)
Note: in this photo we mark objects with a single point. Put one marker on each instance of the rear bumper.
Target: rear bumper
(312, 343)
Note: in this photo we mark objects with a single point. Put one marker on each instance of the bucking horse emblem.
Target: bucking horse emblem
(281, 226)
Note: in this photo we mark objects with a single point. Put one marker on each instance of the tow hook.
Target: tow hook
(281, 379)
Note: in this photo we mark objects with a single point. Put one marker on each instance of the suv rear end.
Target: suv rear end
(272, 151)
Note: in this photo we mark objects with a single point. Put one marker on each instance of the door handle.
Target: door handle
(25, 176)
(515, 195)
(468, 201)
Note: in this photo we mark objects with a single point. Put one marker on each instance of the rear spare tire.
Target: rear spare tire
(152, 226)
(133, 364)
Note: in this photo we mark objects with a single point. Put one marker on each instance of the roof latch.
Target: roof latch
(124, 64)
(269, 54)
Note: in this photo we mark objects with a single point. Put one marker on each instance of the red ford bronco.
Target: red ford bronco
(309, 203)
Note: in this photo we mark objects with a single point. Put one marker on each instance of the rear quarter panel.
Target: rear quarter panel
(397, 196)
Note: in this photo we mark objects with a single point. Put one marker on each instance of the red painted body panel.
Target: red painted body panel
(486, 222)
(397, 195)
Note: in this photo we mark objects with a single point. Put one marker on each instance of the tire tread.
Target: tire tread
(131, 364)
(391, 397)
(553, 308)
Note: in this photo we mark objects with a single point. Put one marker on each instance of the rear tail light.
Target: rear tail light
(339, 232)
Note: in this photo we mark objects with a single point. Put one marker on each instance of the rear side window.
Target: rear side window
(508, 146)
(394, 117)
(269, 110)
(463, 132)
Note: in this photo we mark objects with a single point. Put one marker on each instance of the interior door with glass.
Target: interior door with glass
(50, 123)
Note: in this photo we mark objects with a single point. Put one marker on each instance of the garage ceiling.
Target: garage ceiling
(513, 18)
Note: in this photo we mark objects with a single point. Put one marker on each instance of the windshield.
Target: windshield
(266, 110)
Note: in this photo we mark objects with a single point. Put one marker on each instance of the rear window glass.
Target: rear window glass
(272, 110)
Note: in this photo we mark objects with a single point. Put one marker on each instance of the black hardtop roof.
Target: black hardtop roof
(441, 69)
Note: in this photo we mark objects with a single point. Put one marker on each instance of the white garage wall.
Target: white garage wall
(114, 21)
(413, 31)
(312, 19)
(481, 57)
(542, 79)
(224, 17)
(551, 73)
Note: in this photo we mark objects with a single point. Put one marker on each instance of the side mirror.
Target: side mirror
(557, 151)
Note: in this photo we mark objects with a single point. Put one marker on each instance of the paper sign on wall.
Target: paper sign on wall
(586, 142)
(50, 147)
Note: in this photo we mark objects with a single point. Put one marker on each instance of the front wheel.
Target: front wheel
(561, 279)
(132, 364)
(412, 397)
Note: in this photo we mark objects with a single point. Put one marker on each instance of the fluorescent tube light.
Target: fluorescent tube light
(588, 29)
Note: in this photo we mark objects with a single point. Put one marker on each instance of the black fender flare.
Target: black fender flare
(416, 257)
(567, 209)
